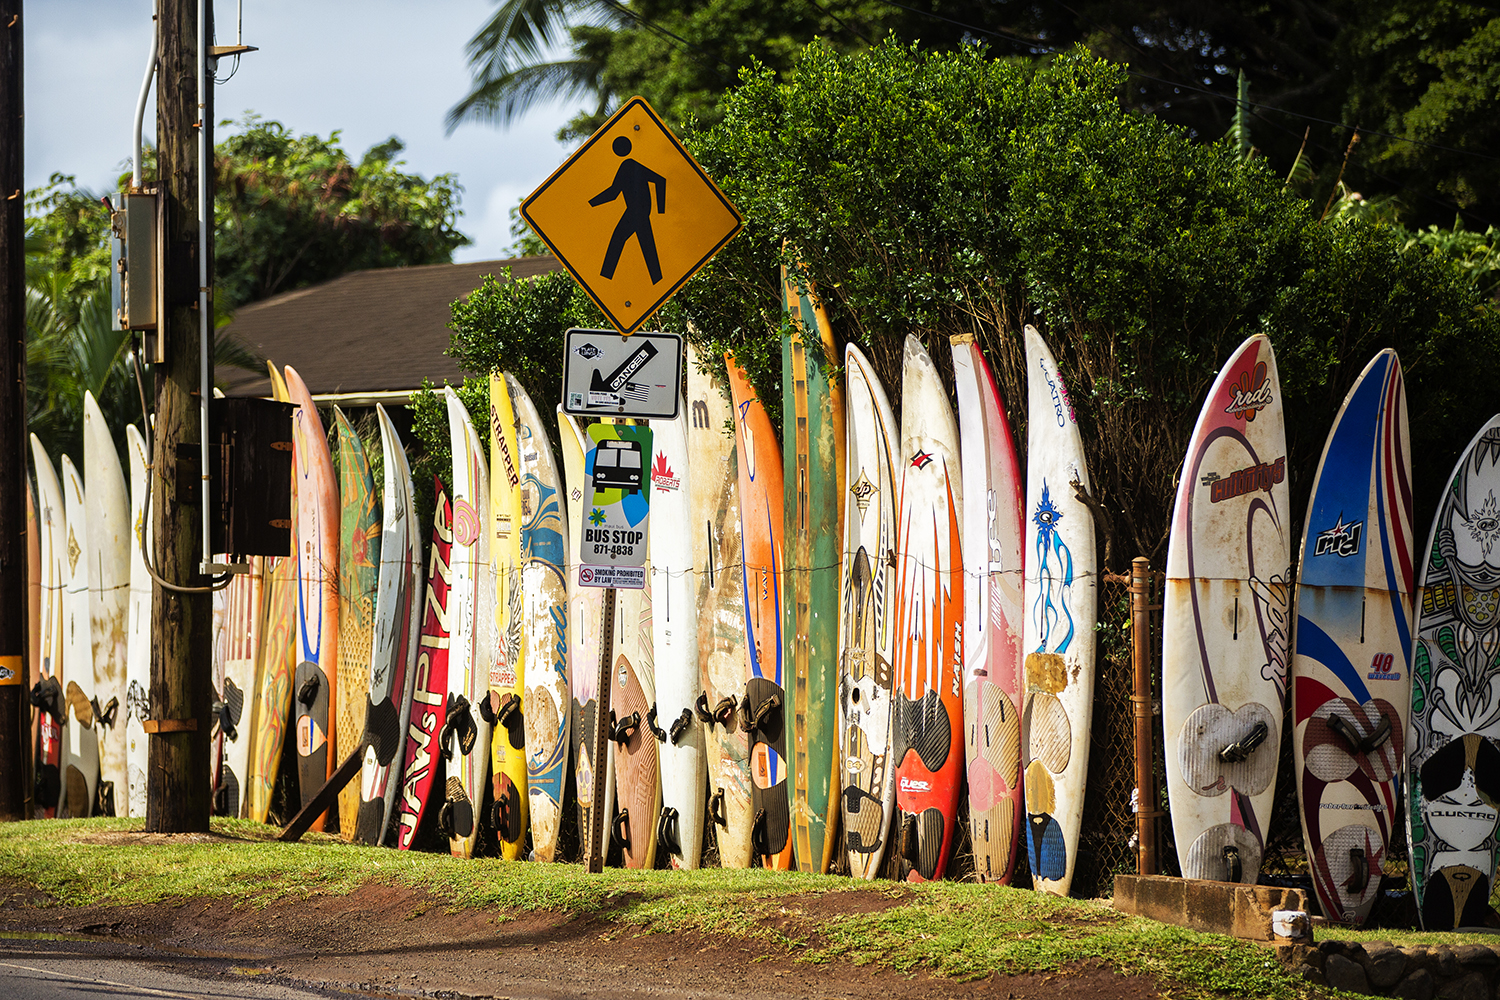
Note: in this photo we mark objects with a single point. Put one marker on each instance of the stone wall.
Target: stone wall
(1467, 972)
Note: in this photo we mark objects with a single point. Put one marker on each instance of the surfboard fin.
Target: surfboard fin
(1238, 752)
(657, 731)
(1359, 874)
(625, 728)
(619, 830)
(705, 715)
(1358, 743)
(667, 830)
(1232, 867)
(47, 696)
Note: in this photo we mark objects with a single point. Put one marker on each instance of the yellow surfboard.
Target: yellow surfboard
(508, 675)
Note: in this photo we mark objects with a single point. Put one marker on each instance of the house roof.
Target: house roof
(367, 331)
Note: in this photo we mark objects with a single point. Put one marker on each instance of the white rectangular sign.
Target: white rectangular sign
(612, 552)
(607, 375)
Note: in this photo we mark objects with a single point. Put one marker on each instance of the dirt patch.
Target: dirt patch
(123, 838)
(392, 939)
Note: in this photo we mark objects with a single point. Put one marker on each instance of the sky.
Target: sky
(370, 68)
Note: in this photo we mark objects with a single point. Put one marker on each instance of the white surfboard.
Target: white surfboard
(674, 589)
(467, 733)
(867, 633)
(80, 754)
(393, 650)
(1061, 609)
(714, 526)
(52, 525)
(138, 640)
(547, 711)
(239, 687)
(1226, 622)
(109, 592)
(585, 634)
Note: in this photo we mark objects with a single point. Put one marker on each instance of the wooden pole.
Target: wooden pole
(598, 826)
(15, 713)
(178, 797)
(1145, 772)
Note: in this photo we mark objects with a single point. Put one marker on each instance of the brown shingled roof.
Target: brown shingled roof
(366, 331)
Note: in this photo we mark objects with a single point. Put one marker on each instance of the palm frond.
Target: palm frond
(503, 100)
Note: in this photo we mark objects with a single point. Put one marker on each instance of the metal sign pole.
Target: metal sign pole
(597, 826)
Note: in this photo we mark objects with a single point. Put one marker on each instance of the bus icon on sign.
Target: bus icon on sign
(617, 465)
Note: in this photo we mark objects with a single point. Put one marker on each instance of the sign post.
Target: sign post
(606, 215)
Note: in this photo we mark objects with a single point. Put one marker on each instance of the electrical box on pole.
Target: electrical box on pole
(135, 277)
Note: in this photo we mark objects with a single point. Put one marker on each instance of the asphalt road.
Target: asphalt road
(33, 969)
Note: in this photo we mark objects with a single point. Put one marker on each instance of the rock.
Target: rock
(1417, 986)
(1446, 962)
(1315, 958)
(1346, 974)
(1474, 986)
(1313, 976)
(1384, 967)
(1476, 955)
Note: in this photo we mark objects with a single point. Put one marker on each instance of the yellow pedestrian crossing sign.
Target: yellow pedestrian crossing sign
(631, 215)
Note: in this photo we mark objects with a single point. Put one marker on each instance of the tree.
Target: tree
(1422, 71)
(295, 210)
(680, 55)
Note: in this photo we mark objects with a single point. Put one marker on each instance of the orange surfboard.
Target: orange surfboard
(763, 701)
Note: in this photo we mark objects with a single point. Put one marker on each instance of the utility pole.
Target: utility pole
(15, 712)
(178, 794)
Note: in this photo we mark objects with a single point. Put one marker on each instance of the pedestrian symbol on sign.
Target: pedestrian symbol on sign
(634, 180)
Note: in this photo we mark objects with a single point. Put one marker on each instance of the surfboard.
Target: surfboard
(1454, 734)
(393, 650)
(276, 664)
(927, 710)
(315, 682)
(1352, 644)
(219, 655)
(472, 650)
(585, 633)
(763, 703)
(429, 708)
(80, 749)
(138, 639)
(109, 594)
(52, 523)
(505, 606)
(813, 472)
(240, 685)
(359, 577)
(544, 621)
(674, 606)
(1226, 622)
(867, 634)
(1061, 609)
(994, 686)
(636, 758)
(715, 529)
(33, 663)
(637, 761)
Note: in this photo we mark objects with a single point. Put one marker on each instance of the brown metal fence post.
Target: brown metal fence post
(1145, 772)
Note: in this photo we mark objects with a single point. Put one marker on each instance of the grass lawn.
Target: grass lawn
(957, 929)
